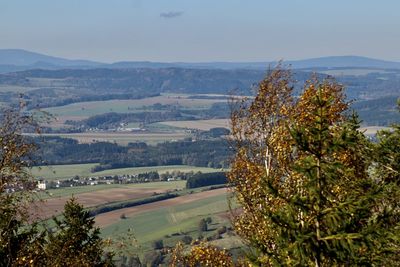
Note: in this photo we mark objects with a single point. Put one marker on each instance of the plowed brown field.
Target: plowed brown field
(54, 206)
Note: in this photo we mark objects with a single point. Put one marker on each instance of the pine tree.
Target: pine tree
(76, 241)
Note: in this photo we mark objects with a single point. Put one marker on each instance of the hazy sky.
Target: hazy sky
(202, 30)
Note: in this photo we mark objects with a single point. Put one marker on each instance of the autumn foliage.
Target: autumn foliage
(302, 175)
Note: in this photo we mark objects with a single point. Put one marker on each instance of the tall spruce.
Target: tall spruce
(76, 241)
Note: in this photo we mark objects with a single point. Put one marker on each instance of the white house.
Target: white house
(42, 185)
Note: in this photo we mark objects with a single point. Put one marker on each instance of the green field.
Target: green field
(60, 172)
(69, 191)
(85, 109)
(124, 138)
(163, 222)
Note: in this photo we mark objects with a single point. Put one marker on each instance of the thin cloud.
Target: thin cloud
(171, 14)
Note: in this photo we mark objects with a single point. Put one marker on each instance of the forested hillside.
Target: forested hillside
(203, 153)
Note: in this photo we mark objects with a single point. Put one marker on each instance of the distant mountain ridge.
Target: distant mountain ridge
(12, 60)
(20, 57)
(344, 61)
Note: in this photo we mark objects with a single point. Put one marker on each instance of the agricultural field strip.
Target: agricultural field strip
(108, 218)
(62, 172)
(122, 138)
(74, 191)
(204, 125)
(59, 172)
(85, 109)
(181, 219)
(53, 206)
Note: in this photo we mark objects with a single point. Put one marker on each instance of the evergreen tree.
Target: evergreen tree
(76, 241)
(302, 177)
(202, 227)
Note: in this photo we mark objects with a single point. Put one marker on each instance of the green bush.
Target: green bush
(187, 239)
(158, 244)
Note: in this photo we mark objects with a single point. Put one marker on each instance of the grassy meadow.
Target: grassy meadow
(86, 109)
(124, 138)
(76, 190)
(62, 172)
(169, 223)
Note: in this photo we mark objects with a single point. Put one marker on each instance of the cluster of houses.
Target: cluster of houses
(84, 181)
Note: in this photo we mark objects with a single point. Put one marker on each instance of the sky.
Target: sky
(202, 30)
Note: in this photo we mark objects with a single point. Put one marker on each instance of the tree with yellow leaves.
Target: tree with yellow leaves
(17, 236)
(74, 242)
(301, 176)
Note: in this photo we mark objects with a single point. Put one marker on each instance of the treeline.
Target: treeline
(205, 179)
(202, 153)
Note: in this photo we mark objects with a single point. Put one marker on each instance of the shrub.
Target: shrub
(153, 258)
(158, 244)
(203, 225)
(221, 230)
(187, 239)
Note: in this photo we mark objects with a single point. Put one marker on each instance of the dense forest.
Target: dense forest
(203, 153)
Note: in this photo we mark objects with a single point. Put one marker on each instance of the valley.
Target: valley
(125, 142)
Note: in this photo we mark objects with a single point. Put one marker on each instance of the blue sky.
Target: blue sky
(202, 30)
